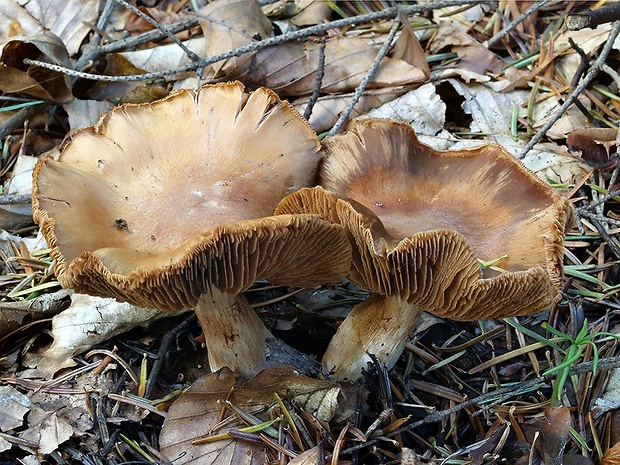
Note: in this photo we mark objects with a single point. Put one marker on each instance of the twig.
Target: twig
(167, 33)
(588, 214)
(592, 73)
(593, 18)
(12, 199)
(146, 37)
(163, 350)
(344, 116)
(258, 45)
(318, 81)
(611, 243)
(508, 29)
(17, 120)
(92, 51)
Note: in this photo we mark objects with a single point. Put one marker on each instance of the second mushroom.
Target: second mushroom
(469, 234)
(169, 205)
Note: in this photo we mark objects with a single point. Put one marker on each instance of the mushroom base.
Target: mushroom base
(379, 326)
(234, 334)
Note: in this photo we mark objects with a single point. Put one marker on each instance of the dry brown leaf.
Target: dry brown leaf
(290, 69)
(553, 430)
(18, 78)
(473, 56)
(597, 145)
(124, 91)
(229, 24)
(408, 49)
(195, 413)
(193, 416)
(314, 456)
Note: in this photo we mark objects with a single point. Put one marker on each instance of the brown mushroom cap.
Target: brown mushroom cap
(153, 192)
(420, 219)
(170, 205)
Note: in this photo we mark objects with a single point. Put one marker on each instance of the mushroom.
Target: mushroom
(170, 205)
(467, 234)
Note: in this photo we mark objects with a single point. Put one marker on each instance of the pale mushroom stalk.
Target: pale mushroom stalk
(379, 326)
(234, 334)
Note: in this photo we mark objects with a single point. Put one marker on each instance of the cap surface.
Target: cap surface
(157, 202)
(420, 219)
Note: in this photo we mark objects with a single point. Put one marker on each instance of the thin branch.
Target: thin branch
(344, 116)
(518, 20)
(594, 216)
(318, 82)
(146, 37)
(190, 53)
(17, 120)
(258, 45)
(593, 18)
(589, 77)
(13, 199)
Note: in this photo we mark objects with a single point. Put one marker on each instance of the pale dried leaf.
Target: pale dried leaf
(229, 24)
(18, 215)
(490, 111)
(165, 57)
(48, 429)
(589, 40)
(15, 20)
(422, 108)
(550, 162)
(5, 445)
(70, 20)
(88, 321)
(20, 181)
(327, 109)
(83, 113)
(571, 119)
(610, 399)
(13, 406)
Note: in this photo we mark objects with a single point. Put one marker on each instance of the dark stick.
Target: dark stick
(593, 18)
(318, 81)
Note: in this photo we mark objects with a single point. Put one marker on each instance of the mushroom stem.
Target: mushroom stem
(379, 326)
(234, 334)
